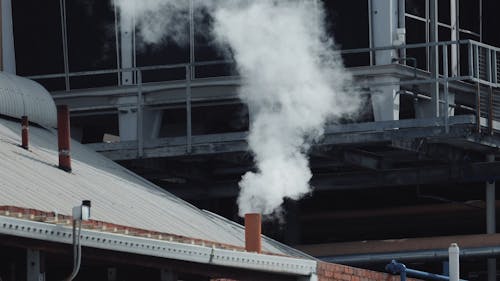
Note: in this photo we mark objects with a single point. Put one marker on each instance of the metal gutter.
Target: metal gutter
(158, 248)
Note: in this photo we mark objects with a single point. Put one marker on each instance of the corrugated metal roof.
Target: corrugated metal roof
(20, 96)
(30, 179)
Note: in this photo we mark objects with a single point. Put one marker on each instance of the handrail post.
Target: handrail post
(489, 77)
(191, 40)
(188, 110)
(477, 77)
(495, 67)
(446, 89)
(471, 59)
(140, 116)
(64, 33)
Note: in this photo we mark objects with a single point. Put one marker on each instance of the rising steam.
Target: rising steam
(292, 81)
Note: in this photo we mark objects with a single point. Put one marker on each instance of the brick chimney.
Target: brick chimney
(63, 137)
(25, 132)
(253, 231)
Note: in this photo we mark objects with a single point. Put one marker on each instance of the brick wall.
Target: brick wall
(337, 272)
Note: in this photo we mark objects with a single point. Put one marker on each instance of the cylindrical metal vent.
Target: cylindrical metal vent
(454, 262)
(63, 137)
(24, 132)
(253, 233)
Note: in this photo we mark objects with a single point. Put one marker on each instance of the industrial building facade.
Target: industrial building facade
(409, 175)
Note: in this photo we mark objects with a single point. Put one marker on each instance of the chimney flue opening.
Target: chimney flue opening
(25, 132)
(63, 137)
(253, 231)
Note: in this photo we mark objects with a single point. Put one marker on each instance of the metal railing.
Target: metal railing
(479, 68)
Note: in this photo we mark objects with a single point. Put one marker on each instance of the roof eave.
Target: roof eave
(158, 248)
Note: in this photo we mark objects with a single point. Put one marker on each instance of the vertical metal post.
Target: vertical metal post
(140, 116)
(191, 39)
(188, 111)
(1, 34)
(427, 34)
(495, 66)
(477, 76)
(34, 265)
(488, 65)
(434, 64)
(64, 33)
(471, 59)
(7, 50)
(454, 262)
(117, 43)
(491, 218)
(481, 21)
(127, 46)
(402, 24)
(454, 37)
(370, 30)
(489, 77)
(446, 89)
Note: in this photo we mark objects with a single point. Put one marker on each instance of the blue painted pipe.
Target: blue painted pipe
(398, 268)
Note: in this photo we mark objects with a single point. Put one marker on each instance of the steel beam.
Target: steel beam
(472, 172)
(349, 134)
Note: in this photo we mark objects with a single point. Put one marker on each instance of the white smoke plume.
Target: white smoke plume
(293, 83)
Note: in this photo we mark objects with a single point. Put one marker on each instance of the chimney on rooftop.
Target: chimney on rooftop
(253, 233)
(63, 138)
(24, 132)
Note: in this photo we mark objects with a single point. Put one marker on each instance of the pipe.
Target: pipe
(482, 252)
(77, 249)
(454, 262)
(398, 268)
(63, 138)
(24, 132)
(253, 231)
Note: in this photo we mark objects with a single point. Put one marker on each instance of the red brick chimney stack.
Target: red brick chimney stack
(253, 231)
(64, 138)
(25, 132)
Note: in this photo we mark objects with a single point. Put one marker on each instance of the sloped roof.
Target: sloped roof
(31, 180)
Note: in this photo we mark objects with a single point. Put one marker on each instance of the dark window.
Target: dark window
(490, 16)
(37, 37)
(205, 120)
(444, 12)
(416, 7)
(469, 15)
(94, 127)
(164, 52)
(415, 33)
(348, 24)
(91, 41)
